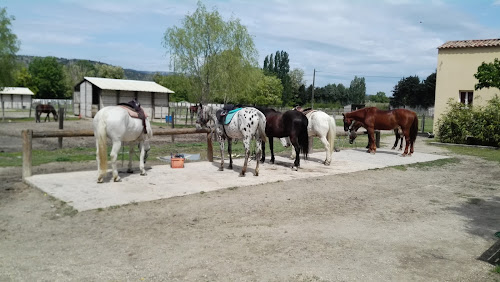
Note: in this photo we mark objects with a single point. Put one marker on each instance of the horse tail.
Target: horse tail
(262, 125)
(414, 129)
(101, 137)
(331, 133)
(303, 137)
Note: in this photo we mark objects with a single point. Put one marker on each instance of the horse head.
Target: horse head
(203, 117)
(54, 113)
(347, 122)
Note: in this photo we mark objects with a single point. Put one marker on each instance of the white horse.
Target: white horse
(320, 125)
(246, 124)
(116, 123)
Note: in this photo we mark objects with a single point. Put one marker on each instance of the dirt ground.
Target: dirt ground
(417, 224)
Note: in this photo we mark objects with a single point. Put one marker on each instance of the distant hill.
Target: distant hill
(129, 73)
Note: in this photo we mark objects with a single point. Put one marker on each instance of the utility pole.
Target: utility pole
(312, 98)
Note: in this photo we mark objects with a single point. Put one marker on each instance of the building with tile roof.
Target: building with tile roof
(456, 65)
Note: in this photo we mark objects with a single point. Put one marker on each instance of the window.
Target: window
(466, 97)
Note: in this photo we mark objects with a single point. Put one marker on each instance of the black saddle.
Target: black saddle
(136, 107)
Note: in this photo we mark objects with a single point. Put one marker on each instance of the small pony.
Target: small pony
(45, 108)
(373, 118)
(116, 123)
(246, 124)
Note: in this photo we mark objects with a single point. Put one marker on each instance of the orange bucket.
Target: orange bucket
(177, 163)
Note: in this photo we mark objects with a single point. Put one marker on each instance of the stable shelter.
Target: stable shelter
(16, 97)
(95, 93)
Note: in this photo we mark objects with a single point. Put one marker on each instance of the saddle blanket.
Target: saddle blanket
(230, 115)
(131, 112)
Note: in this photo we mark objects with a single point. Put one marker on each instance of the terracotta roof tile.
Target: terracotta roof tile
(471, 43)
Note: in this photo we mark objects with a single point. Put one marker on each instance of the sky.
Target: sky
(380, 40)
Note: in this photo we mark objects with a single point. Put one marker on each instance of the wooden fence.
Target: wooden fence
(29, 134)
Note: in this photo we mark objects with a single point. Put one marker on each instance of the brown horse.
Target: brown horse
(292, 124)
(42, 109)
(356, 125)
(373, 118)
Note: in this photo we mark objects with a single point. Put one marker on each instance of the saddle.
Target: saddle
(135, 110)
(225, 111)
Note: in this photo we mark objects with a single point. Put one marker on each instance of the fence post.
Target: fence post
(423, 123)
(61, 125)
(173, 126)
(27, 146)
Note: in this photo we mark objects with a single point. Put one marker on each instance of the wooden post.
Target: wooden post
(27, 146)
(423, 123)
(3, 113)
(187, 113)
(173, 125)
(61, 125)
(210, 148)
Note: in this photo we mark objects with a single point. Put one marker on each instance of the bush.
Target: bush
(471, 124)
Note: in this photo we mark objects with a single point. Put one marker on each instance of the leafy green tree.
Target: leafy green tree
(48, 78)
(280, 67)
(267, 91)
(427, 94)
(379, 98)
(76, 71)
(405, 93)
(9, 45)
(197, 49)
(109, 71)
(488, 75)
(178, 83)
(357, 90)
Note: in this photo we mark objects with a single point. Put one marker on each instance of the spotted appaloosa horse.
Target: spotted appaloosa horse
(373, 118)
(246, 124)
(42, 109)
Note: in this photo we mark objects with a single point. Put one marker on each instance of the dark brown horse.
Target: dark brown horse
(373, 118)
(356, 125)
(42, 109)
(292, 124)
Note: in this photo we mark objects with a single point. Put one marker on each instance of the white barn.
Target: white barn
(16, 97)
(95, 93)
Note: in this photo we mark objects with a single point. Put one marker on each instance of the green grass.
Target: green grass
(489, 154)
(428, 165)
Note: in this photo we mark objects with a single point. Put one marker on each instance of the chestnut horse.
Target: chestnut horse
(356, 125)
(373, 118)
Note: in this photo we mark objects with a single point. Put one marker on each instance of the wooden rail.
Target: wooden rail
(29, 134)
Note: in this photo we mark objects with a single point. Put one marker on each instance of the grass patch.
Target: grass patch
(488, 154)
(427, 165)
(496, 269)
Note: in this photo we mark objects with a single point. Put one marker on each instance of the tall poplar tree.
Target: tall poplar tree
(9, 45)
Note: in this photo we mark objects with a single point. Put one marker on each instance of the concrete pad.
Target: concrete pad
(82, 192)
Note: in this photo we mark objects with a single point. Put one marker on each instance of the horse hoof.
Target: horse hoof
(326, 163)
(242, 175)
(393, 148)
(143, 174)
(256, 174)
(118, 179)
(230, 167)
(221, 169)
(403, 155)
(100, 180)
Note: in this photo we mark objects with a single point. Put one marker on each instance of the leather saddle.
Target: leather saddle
(135, 107)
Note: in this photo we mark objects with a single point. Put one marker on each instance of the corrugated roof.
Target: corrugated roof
(17, 91)
(471, 43)
(127, 85)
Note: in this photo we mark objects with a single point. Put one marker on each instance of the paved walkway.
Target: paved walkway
(80, 189)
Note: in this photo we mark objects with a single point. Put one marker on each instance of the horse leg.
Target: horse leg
(328, 159)
(258, 152)
(407, 139)
(371, 141)
(114, 155)
(246, 144)
(230, 152)
(130, 155)
(397, 139)
(141, 159)
(401, 144)
(101, 171)
(296, 146)
(263, 150)
(221, 143)
(271, 148)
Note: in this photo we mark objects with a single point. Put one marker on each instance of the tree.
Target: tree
(108, 71)
(405, 92)
(9, 45)
(488, 75)
(180, 84)
(428, 92)
(48, 78)
(357, 90)
(379, 98)
(196, 48)
(280, 67)
(76, 71)
(267, 91)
